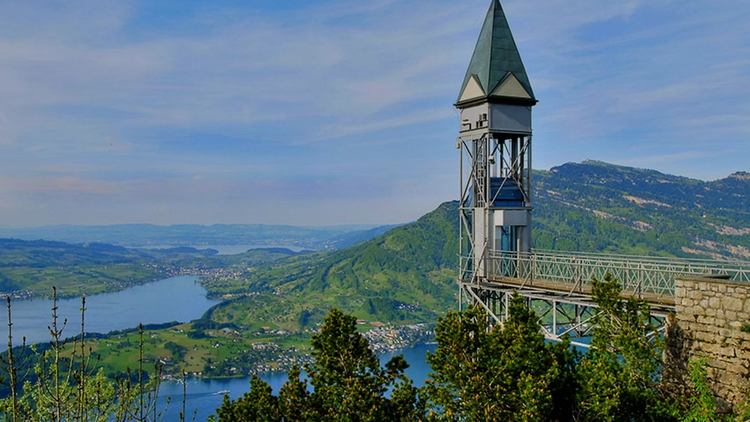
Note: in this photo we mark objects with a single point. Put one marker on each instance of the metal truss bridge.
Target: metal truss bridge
(557, 285)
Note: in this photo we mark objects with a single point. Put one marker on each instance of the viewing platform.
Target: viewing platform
(558, 284)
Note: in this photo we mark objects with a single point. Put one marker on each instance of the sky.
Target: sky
(326, 112)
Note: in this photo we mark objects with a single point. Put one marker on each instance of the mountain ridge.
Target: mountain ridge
(641, 211)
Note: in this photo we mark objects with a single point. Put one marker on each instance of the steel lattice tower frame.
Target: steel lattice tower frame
(495, 142)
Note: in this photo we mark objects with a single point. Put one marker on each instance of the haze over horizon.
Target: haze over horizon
(340, 112)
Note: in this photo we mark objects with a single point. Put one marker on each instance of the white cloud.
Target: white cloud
(103, 98)
(346, 128)
(311, 68)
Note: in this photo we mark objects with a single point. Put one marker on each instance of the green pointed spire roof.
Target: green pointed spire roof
(495, 62)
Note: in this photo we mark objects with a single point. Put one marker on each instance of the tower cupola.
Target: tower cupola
(496, 93)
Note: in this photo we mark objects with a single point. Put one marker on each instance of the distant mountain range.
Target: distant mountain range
(139, 235)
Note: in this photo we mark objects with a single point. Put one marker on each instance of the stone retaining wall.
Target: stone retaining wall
(709, 316)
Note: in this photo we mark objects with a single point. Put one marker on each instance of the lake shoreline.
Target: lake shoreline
(27, 295)
(394, 352)
(112, 311)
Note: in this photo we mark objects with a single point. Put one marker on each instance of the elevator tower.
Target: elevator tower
(495, 104)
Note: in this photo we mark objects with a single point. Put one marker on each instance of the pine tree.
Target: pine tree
(294, 398)
(621, 373)
(484, 373)
(348, 384)
(258, 404)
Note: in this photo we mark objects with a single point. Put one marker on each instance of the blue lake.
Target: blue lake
(173, 299)
(205, 395)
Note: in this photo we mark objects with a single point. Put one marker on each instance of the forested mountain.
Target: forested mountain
(406, 274)
(357, 236)
(594, 207)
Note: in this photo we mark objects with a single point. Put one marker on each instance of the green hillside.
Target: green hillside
(406, 274)
(30, 268)
(270, 310)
